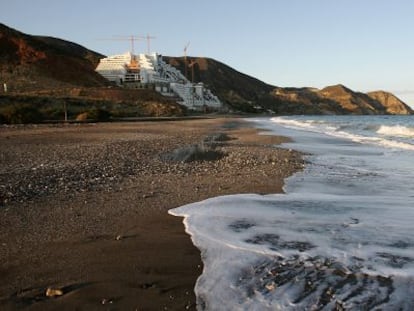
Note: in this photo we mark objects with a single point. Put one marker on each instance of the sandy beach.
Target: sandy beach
(83, 208)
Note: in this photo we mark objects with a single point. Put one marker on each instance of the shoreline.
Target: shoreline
(85, 209)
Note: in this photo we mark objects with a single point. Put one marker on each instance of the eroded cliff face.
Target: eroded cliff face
(392, 103)
(33, 62)
(353, 102)
(339, 99)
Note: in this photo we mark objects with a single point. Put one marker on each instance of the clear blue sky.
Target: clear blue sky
(364, 44)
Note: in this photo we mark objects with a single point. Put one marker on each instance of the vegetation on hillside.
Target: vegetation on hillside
(23, 108)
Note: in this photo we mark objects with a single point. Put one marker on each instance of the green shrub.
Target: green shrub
(23, 114)
(99, 114)
(53, 113)
(3, 119)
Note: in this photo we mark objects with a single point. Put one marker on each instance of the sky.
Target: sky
(365, 45)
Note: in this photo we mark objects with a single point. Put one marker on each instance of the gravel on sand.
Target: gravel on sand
(83, 208)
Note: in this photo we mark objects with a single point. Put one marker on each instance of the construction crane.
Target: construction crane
(132, 39)
(149, 38)
(185, 59)
(191, 65)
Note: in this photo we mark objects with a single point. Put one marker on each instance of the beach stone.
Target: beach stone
(53, 292)
(106, 301)
(270, 286)
(192, 153)
(216, 139)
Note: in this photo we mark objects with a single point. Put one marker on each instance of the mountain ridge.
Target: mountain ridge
(251, 94)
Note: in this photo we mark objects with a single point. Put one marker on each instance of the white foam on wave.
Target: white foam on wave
(247, 240)
(317, 221)
(295, 123)
(346, 132)
(372, 140)
(339, 238)
(396, 130)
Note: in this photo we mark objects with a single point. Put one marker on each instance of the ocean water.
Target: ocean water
(340, 238)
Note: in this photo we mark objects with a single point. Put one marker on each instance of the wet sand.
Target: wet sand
(83, 209)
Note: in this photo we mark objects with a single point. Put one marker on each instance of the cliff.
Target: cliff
(34, 62)
(391, 102)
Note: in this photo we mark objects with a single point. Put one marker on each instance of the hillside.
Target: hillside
(30, 63)
(354, 102)
(392, 103)
(242, 92)
(50, 75)
(234, 88)
(338, 99)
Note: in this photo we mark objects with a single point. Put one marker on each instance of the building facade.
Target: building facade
(150, 70)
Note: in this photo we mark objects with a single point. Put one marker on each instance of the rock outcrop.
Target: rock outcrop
(391, 102)
(33, 62)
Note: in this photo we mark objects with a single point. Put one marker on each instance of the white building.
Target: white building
(142, 70)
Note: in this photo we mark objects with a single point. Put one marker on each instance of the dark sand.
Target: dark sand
(83, 209)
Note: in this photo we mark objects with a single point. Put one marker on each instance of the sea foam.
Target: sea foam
(396, 130)
(339, 238)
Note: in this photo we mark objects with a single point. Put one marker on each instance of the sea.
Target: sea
(341, 237)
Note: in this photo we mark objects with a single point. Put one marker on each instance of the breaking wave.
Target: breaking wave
(396, 130)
